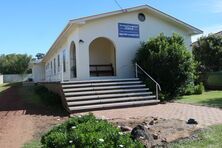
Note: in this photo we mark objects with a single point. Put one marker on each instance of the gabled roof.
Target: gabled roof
(83, 19)
(192, 30)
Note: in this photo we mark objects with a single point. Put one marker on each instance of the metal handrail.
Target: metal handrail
(158, 88)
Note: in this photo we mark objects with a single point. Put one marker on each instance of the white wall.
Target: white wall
(1, 79)
(12, 78)
(125, 47)
(38, 71)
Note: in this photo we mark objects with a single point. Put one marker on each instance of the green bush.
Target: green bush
(188, 89)
(208, 52)
(199, 89)
(87, 131)
(168, 61)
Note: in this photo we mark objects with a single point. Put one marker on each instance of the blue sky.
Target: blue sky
(31, 26)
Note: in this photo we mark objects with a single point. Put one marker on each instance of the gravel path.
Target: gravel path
(204, 115)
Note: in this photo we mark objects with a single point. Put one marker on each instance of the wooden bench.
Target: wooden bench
(101, 70)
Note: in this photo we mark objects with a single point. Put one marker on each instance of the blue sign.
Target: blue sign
(128, 30)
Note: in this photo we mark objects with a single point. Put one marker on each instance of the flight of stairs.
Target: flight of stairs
(103, 94)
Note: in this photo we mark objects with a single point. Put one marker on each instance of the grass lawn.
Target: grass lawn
(209, 138)
(4, 87)
(209, 98)
(33, 144)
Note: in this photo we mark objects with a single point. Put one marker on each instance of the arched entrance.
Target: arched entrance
(72, 60)
(102, 57)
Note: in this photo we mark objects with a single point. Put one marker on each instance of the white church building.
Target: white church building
(90, 65)
(103, 46)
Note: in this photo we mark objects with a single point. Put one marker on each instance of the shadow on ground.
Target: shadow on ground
(11, 99)
(214, 102)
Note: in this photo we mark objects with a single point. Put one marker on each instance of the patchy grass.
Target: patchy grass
(209, 98)
(3, 87)
(41, 97)
(211, 137)
(33, 144)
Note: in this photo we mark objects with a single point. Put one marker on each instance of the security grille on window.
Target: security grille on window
(58, 61)
(64, 61)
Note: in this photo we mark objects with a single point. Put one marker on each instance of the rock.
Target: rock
(147, 126)
(142, 134)
(155, 118)
(125, 128)
(192, 121)
(163, 140)
(155, 136)
(151, 122)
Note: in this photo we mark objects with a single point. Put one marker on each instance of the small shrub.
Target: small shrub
(168, 61)
(188, 89)
(199, 89)
(87, 131)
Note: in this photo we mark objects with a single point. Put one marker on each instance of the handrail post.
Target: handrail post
(158, 88)
(157, 95)
(136, 70)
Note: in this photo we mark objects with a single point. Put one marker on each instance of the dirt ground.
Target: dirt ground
(21, 122)
(163, 131)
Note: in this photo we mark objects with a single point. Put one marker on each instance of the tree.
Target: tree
(207, 52)
(168, 61)
(14, 63)
(39, 55)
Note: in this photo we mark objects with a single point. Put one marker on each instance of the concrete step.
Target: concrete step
(105, 92)
(103, 88)
(100, 84)
(111, 100)
(99, 81)
(113, 105)
(105, 96)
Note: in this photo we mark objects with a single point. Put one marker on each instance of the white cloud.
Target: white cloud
(208, 30)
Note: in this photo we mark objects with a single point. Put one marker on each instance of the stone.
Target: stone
(155, 118)
(163, 140)
(126, 128)
(155, 136)
(142, 134)
(192, 121)
(151, 122)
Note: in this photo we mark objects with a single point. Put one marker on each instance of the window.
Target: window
(64, 61)
(58, 62)
(54, 66)
(141, 17)
(51, 67)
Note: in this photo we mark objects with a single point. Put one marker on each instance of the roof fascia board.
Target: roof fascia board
(56, 41)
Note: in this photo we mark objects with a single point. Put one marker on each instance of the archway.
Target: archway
(102, 57)
(72, 60)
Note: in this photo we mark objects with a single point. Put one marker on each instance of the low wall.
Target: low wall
(56, 87)
(214, 80)
(12, 78)
(1, 79)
